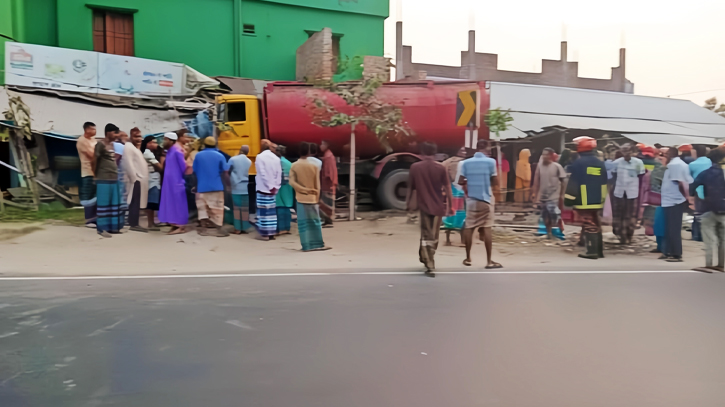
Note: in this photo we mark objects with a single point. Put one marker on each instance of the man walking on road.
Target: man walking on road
(586, 192)
(549, 189)
(304, 177)
(209, 167)
(477, 176)
(239, 173)
(428, 179)
(675, 187)
(269, 180)
(328, 183)
(710, 185)
(626, 179)
(86, 146)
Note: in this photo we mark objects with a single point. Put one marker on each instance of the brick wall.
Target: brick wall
(315, 58)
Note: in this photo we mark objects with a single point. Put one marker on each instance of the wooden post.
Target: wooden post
(498, 170)
(26, 165)
(352, 173)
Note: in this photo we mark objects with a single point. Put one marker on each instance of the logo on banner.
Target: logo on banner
(21, 60)
(79, 65)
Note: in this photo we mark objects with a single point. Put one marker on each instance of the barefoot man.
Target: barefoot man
(477, 175)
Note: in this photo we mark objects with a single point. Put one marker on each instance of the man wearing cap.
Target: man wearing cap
(626, 180)
(586, 192)
(209, 167)
(173, 208)
(686, 153)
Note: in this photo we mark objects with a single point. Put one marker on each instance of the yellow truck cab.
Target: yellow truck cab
(242, 117)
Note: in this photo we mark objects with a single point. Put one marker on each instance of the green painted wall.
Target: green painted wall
(202, 33)
(41, 22)
(280, 30)
(195, 32)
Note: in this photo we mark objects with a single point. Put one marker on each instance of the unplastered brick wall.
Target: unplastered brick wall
(376, 67)
(315, 58)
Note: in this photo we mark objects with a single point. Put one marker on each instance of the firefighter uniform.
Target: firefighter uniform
(586, 192)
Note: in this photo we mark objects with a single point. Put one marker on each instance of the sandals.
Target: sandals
(494, 265)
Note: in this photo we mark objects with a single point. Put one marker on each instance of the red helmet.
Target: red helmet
(584, 144)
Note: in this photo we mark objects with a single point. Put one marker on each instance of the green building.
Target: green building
(248, 38)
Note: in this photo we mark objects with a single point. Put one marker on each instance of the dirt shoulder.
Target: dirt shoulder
(385, 243)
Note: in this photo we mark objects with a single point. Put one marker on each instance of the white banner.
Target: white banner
(38, 66)
(50, 68)
(129, 76)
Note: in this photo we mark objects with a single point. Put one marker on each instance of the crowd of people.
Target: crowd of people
(626, 186)
(122, 175)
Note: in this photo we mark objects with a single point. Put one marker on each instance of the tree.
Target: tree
(711, 104)
(363, 106)
(498, 121)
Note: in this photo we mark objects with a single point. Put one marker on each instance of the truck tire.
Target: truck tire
(392, 190)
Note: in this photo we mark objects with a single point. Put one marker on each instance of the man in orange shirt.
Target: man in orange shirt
(86, 145)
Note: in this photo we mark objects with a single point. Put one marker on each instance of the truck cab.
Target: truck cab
(243, 125)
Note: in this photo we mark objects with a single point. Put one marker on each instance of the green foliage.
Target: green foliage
(349, 69)
(498, 121)
(382, 118)
(70, 216)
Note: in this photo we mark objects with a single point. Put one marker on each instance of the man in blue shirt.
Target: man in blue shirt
(239, 166)
(701, 164)
(710, 187)
(477, 176)
(209, 166)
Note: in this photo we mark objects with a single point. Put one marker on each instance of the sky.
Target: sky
(673, 47)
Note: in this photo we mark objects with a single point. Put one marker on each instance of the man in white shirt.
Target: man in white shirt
(626, 178)
(313, 156)
(269, 180)
(675, 184)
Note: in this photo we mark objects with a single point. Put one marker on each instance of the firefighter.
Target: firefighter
(586, 192)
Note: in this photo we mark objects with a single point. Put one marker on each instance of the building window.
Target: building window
(248, 29)
(113, 32)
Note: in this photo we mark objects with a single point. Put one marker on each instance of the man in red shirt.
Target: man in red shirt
(328, 184)
(428, 180)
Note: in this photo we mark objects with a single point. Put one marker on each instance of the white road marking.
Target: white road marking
(107, 328)
(362, 273)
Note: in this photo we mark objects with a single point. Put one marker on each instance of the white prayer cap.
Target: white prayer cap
(171, 136)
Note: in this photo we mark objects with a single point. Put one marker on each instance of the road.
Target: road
(589, 339)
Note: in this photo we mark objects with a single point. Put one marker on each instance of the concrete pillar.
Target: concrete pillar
(399, 68)
(564, 52)
(472, 54)
(623, 62)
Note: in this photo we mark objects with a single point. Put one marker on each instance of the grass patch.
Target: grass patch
(71, 216)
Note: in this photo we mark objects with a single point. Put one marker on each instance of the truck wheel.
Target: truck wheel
(392, 190)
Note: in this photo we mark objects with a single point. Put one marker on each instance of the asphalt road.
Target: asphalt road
(365, 340)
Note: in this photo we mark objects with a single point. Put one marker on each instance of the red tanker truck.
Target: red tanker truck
(430, 109)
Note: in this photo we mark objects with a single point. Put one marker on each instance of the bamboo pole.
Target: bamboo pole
(352, 173)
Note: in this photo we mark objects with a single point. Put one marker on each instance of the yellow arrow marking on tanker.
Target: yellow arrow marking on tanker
(469, 107)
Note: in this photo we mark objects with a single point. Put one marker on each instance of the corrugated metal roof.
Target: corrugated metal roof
(535, 108)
